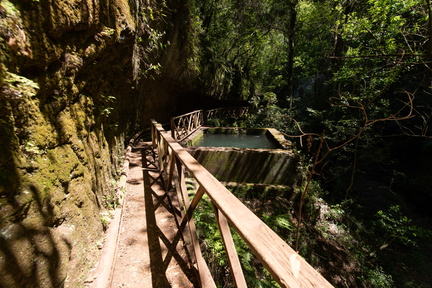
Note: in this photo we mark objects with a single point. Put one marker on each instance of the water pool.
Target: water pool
(252, 155)
(259, 141)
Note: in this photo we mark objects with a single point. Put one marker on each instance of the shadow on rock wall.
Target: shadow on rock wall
(48, 246)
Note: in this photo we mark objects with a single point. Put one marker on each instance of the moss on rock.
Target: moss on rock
(55, 160)
(68, 94)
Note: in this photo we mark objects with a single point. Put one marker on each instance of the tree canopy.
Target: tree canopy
(349, 80)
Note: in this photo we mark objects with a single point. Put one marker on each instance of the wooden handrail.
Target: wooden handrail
(284, 264)
(229, 112)
(183, 125)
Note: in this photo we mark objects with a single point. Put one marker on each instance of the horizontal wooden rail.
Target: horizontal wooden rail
(229, 112)
(284, 264)
(183, 125)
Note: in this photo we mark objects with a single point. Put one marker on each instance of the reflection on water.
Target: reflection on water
(236, 140)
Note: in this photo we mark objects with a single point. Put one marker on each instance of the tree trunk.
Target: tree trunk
(291, 35)
(429, 47)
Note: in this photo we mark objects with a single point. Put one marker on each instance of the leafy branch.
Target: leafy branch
(325, 148)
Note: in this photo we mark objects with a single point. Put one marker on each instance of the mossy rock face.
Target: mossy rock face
(53, 213)
(70, 79)
(56, 161)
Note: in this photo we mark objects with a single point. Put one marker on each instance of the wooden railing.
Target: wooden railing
(183, 125)
(284, 264)
(231, 112)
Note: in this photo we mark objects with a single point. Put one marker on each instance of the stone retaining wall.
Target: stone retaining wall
(242, 165)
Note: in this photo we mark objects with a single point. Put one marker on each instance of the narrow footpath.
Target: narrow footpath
(150, 252)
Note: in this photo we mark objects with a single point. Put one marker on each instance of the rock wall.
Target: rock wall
(76, 76)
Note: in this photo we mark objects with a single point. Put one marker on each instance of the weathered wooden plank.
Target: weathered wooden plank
(192, 206)
(181, 221)
(205, 277)
(187, 114)
(184, 125)
(170, 172)
(173, 128)
(236, 269)
(177, 179)
(226, 112)
(284, 264)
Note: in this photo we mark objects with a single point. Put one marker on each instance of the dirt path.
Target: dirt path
(149, 251)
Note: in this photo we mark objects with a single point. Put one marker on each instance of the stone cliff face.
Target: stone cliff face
(75, 77)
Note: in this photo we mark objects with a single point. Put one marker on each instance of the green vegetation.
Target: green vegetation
(272, 214)
(349, 82)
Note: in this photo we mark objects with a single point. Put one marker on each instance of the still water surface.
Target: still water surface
(237, 141)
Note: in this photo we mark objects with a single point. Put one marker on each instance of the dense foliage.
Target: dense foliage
(350, 82)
